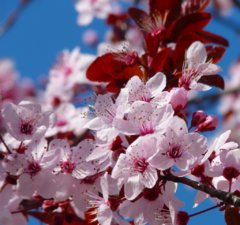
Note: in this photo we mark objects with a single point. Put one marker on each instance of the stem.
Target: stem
(25, 210)
(206, 180)
(226, 197)
(216, 206)
(65, 203)
(5, 144)
(230, 185)
(190, 128)
(20, 146)
(123, 199)
(214, 96)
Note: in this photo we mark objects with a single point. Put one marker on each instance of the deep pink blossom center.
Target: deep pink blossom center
(140, 165)
(27, 128)
(174, 152)
(68, 166)
(33, 168)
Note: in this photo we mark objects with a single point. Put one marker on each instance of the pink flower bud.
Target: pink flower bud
(49, 205)
(210, 124)
(178, 99)
(182, 218)
(198, 118)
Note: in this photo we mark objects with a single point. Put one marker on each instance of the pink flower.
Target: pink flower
(178, 147)
(143, 119)
(9, 202)
(195, 67)
(134, 167)
(90, 8)
(34, 168)
(90, 37)
(71, 166)
(27, 121)
(178, 99)
(106, 113)
(151, 92)
(104, 208)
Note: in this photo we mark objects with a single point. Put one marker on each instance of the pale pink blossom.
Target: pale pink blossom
(90, 37)
(108, 152)
(178, 147)
(69, 119)
(34, 168)
(151, 92)
(143, 119)
(9, 202)
(195, 67)
(134, 167)
(27, 121)
(105, 207)
(90, 8)
(107, 112)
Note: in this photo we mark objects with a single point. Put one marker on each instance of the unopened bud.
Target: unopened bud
(230, 172)
(49, 205)
(182, 218)
(198, 118)
(178, 99)
(210, 124)
(113, 203)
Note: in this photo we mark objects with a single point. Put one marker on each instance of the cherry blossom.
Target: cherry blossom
(107, 112)
(195, 67)
(143, 119)
(178, 147)
(151, 92)
(134, 167)
(27, 121)
(34, 168)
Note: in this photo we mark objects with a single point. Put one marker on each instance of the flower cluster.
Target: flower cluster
(123, 154)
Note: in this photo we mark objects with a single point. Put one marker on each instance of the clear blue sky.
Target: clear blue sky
(47, 27)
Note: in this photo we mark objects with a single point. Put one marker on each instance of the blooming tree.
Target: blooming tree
(121, 155)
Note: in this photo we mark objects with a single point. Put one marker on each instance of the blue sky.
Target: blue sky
(47, 27)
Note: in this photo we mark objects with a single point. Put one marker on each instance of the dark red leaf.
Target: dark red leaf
(95, 71)
(213, 80)
(139, 16)
(161, 5)
(215, 53)
(152, 44)
(113, 19)
(207, 37)
(186, 24)
(192, 6)
(173, 13)
(116, 85)
(232, 216)
(181, 47)
(159, 60)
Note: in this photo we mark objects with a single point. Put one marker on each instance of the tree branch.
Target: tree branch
(226, 197)
(13, 17)
(214, 96)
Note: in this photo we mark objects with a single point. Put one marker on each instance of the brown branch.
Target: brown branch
(226, 197)
(13, 17)
(214, 96)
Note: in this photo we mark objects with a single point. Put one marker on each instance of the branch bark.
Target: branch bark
(226, 197)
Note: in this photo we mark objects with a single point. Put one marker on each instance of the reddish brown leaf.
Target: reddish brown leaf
(213, 80)
(207, 37)
(215, 53)
(152, 44)
(192, 6)
(95, 71)
(186, 24)
(232, 216)
(139, 16)
(159, 60)
(113, 19)
(116, 85)
(173, 13)
(161, 5)
(181, 47)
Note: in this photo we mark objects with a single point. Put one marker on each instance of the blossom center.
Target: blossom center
(140, 165)
(68, 166)
(33, 168)
(174, 152)
(27, 127)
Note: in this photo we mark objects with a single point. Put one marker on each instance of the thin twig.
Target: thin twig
(226, 197)
(13, 17)
(5, 144)
(214, 96)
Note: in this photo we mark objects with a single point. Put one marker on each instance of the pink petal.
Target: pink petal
(25, 186)
(156, 84)
(200, 196)
(133, 187)
(104, 215)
